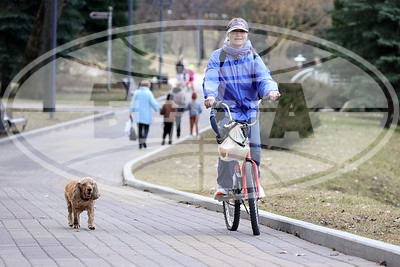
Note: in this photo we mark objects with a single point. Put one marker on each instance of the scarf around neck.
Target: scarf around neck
(237, 53)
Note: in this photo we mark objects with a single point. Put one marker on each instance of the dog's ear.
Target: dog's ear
(95, 194)
(77, 194)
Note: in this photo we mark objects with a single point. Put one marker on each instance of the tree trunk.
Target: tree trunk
(40, 39)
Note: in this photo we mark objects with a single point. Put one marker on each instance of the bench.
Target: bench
(17, 124)
(14, 124)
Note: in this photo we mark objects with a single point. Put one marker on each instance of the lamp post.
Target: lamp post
(299, 60)
(49, 93)
(161, 4)
(129, 56)
(109, 49)
(200, 53)
(53, 63)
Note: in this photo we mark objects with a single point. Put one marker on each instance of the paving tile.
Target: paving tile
(132, 228)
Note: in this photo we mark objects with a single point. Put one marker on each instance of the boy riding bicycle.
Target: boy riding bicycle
(237, 76)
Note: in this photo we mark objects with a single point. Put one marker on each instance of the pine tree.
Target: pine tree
(15, 26)
(71, 21)
(371, 29)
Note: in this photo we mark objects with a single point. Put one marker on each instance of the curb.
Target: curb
(350, 244)
(56, 127)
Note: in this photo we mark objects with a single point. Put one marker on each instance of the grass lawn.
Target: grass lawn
(364, 201)
(38, 119)
(102, 97)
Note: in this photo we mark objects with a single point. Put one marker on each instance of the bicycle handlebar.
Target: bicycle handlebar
(221, 104)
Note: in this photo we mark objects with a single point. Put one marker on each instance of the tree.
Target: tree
(371, 29)
(71, 22)
(15, 21)
(39, 41)
(119, 19)
(74, 21)
(23, 28)
(303, 15)
(307, 16)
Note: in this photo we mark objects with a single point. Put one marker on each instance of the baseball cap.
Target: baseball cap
(236, 24)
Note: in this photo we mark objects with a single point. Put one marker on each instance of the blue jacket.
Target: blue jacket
(141, 105)
(194, 108)
(238, 83)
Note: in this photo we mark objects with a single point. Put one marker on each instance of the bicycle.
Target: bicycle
(245, 183)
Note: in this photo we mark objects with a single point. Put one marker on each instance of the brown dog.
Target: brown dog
(80, 196)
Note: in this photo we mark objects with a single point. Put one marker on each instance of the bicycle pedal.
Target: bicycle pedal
(221, 197)
(226, 197)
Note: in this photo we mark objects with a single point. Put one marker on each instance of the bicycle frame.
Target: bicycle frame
(244, 181)
(249, 189)
(247, 158)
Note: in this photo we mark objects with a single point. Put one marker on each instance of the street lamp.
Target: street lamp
(109, 49)
(299, 59)
(129, 56)
(161, 4)
(49, 96)
(200, 5)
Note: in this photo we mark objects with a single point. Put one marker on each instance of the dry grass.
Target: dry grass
(356, 214)
(38, 119)
(364, 201)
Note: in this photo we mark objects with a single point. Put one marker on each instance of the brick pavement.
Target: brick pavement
(134, 228)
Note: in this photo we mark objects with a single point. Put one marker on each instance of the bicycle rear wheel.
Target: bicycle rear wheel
(253, 197)
(231, 214)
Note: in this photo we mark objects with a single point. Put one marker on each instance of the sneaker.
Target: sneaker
(220, 193)
(261, 193)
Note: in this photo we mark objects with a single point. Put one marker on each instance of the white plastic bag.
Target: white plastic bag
(128, 128)
(230, 150)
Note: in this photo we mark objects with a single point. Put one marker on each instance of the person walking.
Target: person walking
(237, 75)
(141, 107)
(169, 112)
(180, 68)
(180, 101)
(194, 109)
(190, 77)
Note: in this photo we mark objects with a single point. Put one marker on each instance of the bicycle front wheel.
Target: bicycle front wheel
(253, 197)
(232, 214)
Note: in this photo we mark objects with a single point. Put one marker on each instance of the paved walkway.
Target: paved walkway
(132, 227)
